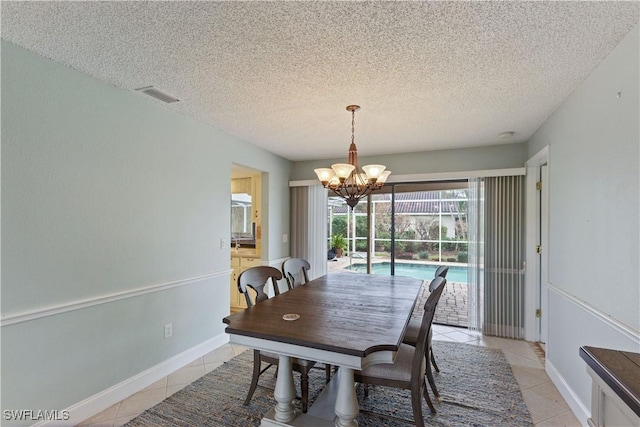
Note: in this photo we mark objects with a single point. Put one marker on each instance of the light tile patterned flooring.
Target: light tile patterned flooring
(543, 400)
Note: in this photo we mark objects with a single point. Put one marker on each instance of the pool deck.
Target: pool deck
(452, 308)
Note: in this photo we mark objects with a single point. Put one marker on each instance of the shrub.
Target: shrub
(410, 247)
(448, 245)
(423, 255)
(339, 225)
(463, 256)
(405, 255)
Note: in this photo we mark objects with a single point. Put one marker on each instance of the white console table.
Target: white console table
(615, 389)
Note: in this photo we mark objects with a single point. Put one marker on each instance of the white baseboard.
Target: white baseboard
(573, 324)
(106, 398)
(579, 410)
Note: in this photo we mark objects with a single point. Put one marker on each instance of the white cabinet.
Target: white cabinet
(239, 264)
(615, 400)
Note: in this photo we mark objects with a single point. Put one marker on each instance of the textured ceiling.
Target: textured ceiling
(428, 75)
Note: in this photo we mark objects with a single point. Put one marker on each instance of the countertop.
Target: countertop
(619, 369)
(244, 253)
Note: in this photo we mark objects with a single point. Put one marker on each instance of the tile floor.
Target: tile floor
(546, 405)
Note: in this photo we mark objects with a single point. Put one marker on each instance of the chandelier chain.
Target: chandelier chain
(353, 126)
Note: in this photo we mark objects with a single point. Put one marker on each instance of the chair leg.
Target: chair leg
(416, 406)
(304, 390)
(427, 399)
(433, 360)
(432, 383)
(254, 376)
(327, 373)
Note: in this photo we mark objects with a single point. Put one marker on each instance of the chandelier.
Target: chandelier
(346, 180)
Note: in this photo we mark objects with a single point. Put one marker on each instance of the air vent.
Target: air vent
(158, 94)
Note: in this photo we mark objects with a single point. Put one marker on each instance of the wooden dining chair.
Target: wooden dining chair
(255, 280)
(411, 334)
(408, 370)
(294, 271)
(441, 271)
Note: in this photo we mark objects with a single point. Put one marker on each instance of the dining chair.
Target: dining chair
(408, 370)
(256, 279)
(411, 334)
(441, 271)
(294, 271)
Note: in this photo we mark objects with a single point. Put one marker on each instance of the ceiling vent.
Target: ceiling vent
(158, 94)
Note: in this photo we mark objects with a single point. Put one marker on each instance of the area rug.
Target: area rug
(476, 385)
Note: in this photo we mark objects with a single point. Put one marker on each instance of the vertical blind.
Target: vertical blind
(504, 256)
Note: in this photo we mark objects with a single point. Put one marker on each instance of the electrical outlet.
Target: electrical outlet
(285, 238)
(168, 330)
(224, 243)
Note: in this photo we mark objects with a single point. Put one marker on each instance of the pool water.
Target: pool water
(418, 271)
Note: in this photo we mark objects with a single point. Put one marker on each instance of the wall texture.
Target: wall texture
(113, 208)
(594, 175)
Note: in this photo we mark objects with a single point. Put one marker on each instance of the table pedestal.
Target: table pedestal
(336, 406)
(285, 391)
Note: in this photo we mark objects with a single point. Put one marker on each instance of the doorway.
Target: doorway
(245, 228)
(536, 305)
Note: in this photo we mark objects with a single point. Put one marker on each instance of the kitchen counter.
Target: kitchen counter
(244, 253)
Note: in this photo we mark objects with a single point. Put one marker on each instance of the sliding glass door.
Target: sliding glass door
(475, 228)
(414, 228)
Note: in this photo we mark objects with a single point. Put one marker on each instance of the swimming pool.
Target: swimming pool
(418, 271)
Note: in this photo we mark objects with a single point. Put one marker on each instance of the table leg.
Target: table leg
(285, 391)
(346, 402)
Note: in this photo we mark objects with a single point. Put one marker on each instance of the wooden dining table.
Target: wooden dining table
(349, 320)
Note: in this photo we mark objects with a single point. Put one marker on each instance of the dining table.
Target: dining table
(348, 320)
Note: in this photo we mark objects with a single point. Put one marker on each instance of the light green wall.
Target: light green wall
(107, 191)
(594, 175)
(440, 161)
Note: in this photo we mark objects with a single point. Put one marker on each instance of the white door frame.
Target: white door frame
(535, 286)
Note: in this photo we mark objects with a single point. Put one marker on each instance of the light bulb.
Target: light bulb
(343, 170)
(324, 175)
(373, 171)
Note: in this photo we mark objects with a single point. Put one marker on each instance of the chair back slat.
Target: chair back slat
(257, 278)
(294, 271)
(440, 272)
